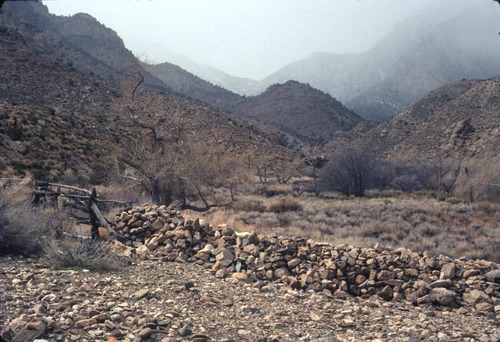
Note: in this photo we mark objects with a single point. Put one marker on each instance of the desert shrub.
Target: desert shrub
(489, 208)
(285, 204)
(22, 226)
(100, 172)
(81, 253)
(406, 183)
(480, 181)
(275, 190)
(14, 132)
(454, 200)
(250, 204)
(287, 219)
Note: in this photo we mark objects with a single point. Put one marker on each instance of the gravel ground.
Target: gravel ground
(152, 300)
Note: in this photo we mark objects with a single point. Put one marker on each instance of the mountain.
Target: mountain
(79, 40)
(191, 86)
(458, 120)
(59, 115)
(293, 108)
(465, 47)
(238, 85)
(417, 56)
(299, 110)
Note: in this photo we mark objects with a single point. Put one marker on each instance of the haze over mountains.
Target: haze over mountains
(72, 70)
(417, 56)
(458, 120)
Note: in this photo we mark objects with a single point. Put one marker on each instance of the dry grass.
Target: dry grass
(29, 230)
(285, 204)
(420, 223)
(22, 226)
(81, 253)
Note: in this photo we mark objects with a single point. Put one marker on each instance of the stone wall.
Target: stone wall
(400, 275)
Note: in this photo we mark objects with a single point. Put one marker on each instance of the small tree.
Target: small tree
(162, 158)
(447, 172)
(350, 171)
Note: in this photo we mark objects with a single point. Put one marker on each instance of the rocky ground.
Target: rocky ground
(188, 281)
(174, 301)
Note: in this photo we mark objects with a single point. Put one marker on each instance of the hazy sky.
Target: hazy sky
(252, 38)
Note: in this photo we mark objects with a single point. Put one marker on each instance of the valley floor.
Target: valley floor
(152, 300)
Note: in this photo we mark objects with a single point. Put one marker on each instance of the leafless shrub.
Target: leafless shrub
(285, 204)
(351, 171)
(480, 181)
(287, 219)
(22, 225)
(406, 183)
(250, 204)
(81, 253)
(275, 190)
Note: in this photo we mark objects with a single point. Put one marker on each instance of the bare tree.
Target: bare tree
(165, 160)
(350, 171)
(447, 172)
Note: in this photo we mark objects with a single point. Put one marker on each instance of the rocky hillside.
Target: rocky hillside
(238, 85)
(458, 120)
(80, 41)
(293, 108)
(299, 110)
(58, 115)
(84, 44)
(194, 87)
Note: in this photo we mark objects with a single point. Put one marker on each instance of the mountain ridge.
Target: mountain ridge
(387, 78)
(58, 116)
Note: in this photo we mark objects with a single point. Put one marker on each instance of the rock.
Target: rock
(442, 283)
(470, 273)
(447, 271)
(442, 337)
(84, 323)
(226, 231)
(140, 294)
(185, 331)
(244, 332)
(221, 273)
(240, 276)
(145, 332)
(386, 293)
(484, 307)
(493, 276)
(200, 338)
(157, 225)
(314, 316)
(476, 296)
(281, 272)
(385, 275)
(188, 285)
(294, 262)
(142, 251)
(225, 257)
(152, 244)
(101, 318)
(440, 296)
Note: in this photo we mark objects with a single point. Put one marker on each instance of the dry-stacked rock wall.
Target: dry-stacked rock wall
(337, 271)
